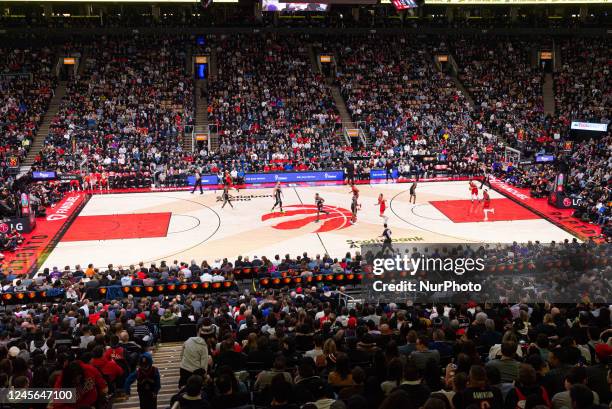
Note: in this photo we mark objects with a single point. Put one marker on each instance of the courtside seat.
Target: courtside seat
(169, 333)
(186, 331)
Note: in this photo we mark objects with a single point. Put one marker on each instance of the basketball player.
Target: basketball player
(278, 197)
(198, 182)
(227, 179)
(354, 203)
(93, 180)
(486, 208)
(413, 193)
(104, 181)
(382, 204)
(386, 236)
(473, 190)
(319, 202)
(389, 170)
(226, 196)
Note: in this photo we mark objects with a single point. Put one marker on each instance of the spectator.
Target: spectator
(191, 396)
(478, 391)
(507, 365)
(423, 354)
(576, 376)
(194, 356)
(526, 391)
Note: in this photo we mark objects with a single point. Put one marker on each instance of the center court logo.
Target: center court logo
(338, 218)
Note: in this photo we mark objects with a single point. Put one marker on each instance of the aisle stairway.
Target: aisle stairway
(341, 105)
(548, 94)
(201, 115)
(166, 358)
(43, 130)
(213, 64)
(464, 91)
(347, 121)
(313, 59)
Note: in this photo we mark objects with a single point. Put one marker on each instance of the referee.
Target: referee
(350, 172)
(226, 196)
(386, 236)
(278, 197)
(198, 182)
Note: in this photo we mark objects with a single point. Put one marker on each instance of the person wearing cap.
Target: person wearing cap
(194, 356)
(148, 382)
(597, 375)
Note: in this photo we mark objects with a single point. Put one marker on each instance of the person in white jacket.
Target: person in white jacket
(194, 356)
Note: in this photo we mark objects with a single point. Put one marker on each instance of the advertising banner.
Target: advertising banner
(206, 180)
(288, 177)
(589, 126)
(43, 175)
(21, 224)
(561, 201)
(382, 174)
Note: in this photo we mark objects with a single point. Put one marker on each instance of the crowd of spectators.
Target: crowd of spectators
(307, 345)
(582, 83)
(27, 84)
(405, 106)
(126, 112)
(498, 74)
(26, 87)
(271, 109)
(507, 89)
(123, 118)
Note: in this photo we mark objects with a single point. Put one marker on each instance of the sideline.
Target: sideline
(561, 218)
(47, 233)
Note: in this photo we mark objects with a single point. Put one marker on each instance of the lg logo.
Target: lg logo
(5, 227)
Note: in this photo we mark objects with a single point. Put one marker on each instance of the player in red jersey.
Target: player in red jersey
(104, 181)
(227, 177)
(87, 182)
(98, 177)
(354, 190)
(75, 184)
(382, 204)
(473, 190)
(93, 180)
(486, 199)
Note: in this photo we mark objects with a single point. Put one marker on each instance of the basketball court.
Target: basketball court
(125, 229)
